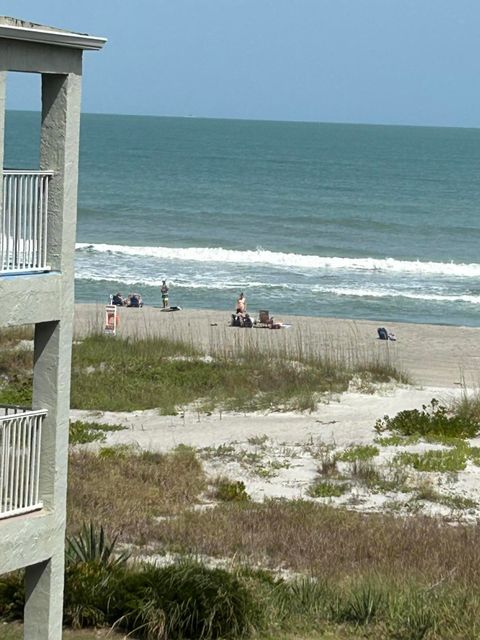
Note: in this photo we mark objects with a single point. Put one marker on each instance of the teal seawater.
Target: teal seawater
(352, 221)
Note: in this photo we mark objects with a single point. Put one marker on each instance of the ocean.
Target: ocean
(349, 221)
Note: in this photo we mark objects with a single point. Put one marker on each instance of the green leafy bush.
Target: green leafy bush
(184, 600)
(230, 490)
(89, 588)
(325, 489)
(432, 419)
(363, 603)
(84, 432)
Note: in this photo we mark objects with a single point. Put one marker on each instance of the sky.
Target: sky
(371, 61)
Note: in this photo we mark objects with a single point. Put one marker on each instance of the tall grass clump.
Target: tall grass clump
(467, 406)
(184, 600)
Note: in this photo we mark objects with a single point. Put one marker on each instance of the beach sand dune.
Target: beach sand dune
(285, 445)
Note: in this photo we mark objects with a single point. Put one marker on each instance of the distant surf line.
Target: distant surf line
(300, 289)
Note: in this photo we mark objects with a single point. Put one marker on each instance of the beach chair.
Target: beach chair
(263, 318)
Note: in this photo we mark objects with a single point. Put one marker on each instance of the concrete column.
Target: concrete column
(51, 391)
(3, 81)
(59, 145)
(44, 599)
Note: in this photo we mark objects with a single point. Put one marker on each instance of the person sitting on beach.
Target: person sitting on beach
(134, 300)
(247, 321)
(118, 300)
(241, 304)
(237, 320)
(274, 324)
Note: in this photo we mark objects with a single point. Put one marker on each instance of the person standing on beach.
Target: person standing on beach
(241, 304)
(164, 291)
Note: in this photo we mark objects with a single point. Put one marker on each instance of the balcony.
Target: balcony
(20, 439)
(23, 222)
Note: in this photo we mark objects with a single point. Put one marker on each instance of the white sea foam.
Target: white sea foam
(92, 276)
(289, 260)
(392, 293)
(304, 290)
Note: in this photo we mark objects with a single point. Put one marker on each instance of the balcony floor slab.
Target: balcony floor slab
(30, 298)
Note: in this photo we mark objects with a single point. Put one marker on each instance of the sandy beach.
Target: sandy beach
(432, 355)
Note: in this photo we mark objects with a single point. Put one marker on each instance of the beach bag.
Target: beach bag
(382, 333)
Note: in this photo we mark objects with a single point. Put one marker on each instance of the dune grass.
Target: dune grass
(345, 574)
(14, 631)
(388, 576)
(127, 374)
(299, 535)
(127, 490)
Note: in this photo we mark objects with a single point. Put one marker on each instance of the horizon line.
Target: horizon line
(279, 120)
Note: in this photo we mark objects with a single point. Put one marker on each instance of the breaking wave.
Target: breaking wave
(289, 260)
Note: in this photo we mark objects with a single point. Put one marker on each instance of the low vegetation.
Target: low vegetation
(226, 490)
(327, 489)
(433, 420)
(371, 576)
(128, 490)
(85, 432)
(343, 574)
(154, 372)
(375, 579)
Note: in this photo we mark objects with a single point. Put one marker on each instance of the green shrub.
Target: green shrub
(432, 419)
(84, 432)
(411, 616)
(184, 600)
(122, 451)
(325, 489)
(230, 490)
(91, 571)
(302, 597)
(396, 441)
(17, 391)
(89, 588)
(362, 604)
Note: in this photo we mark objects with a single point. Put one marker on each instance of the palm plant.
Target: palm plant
(92, 545)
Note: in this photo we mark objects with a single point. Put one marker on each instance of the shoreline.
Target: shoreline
(432, 355)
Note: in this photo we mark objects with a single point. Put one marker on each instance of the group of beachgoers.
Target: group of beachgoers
(135, 299)
(243, 319)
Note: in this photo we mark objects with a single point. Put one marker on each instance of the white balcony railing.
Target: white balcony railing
(20, 438)
(23, 222)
